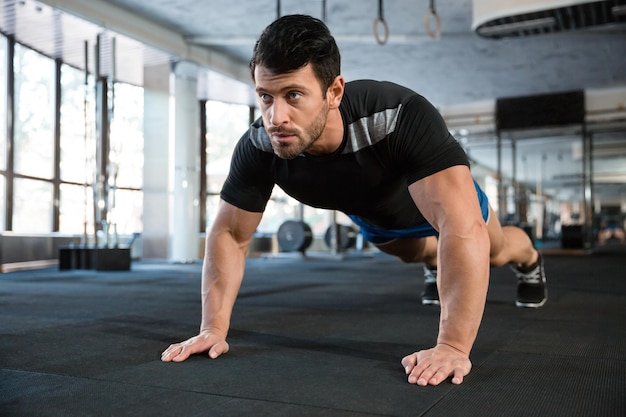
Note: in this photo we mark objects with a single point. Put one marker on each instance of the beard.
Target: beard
(303, 141)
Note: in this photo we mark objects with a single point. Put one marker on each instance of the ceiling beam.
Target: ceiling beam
(137, 27)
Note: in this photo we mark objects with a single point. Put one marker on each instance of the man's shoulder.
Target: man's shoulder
(258, 137)
(377, 87)
(366, 97)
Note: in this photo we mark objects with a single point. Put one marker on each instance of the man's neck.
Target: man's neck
(331, 137)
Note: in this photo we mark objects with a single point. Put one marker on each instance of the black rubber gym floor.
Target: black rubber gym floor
(309, 337)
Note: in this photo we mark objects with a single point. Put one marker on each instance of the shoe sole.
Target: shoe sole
(531, 305)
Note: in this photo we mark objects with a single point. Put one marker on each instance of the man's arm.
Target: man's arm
(448, 201)
(222, 272)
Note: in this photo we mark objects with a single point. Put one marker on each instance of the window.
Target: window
(78, 159)
(32, 200)
(126, 146)
(3, 128)
(126, 160)
(3, 106)
(3, 197)
(126, 214)
(75, 208)
(33, 141)
(78, 147)
(34, 113)
(77, 127)
(225, 125)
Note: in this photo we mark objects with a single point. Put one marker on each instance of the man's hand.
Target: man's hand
(435, 365)
(205, 341)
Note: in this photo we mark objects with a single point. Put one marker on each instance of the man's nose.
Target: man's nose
(279, 113)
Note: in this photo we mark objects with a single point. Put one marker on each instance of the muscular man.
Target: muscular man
(380, 153)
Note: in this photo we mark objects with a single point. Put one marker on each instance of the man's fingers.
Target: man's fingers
(438, 377)
(428, 376)
(179, 352)
(424, 376)
(433, 366)
(458, 376)
(182, 355)
(218, 349)
(167, 353)
(408, 363)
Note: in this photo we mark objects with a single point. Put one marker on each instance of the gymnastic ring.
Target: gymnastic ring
(429, 13)
(377, 35)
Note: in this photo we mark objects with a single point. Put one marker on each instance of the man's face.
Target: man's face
(293, 108)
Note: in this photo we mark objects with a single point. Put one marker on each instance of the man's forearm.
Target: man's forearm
(222, 273)
(463, 272)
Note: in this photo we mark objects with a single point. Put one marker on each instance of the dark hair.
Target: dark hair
(293, 41)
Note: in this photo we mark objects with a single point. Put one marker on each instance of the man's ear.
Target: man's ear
(335, 92)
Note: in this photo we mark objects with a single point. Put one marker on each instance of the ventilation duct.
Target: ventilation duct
(510, 18)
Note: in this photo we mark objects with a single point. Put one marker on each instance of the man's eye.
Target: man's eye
(294, 95)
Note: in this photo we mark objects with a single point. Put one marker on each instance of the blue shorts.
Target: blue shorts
(377, 235)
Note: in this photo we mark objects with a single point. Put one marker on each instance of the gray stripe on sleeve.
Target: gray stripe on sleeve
(371, 129)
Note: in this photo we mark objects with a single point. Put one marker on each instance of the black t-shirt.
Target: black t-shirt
(392, 138)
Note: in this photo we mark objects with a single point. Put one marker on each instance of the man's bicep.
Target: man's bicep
(241, 224)
(447, 198)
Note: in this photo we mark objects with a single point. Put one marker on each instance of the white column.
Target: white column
(184, 170)
(155, 235)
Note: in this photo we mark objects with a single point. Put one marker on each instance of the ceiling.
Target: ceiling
(456, 68)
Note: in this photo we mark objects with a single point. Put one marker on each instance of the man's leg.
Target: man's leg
(412, 250)
(511, 245)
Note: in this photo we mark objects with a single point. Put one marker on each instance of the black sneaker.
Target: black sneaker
(531, 285)
(430, 295)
